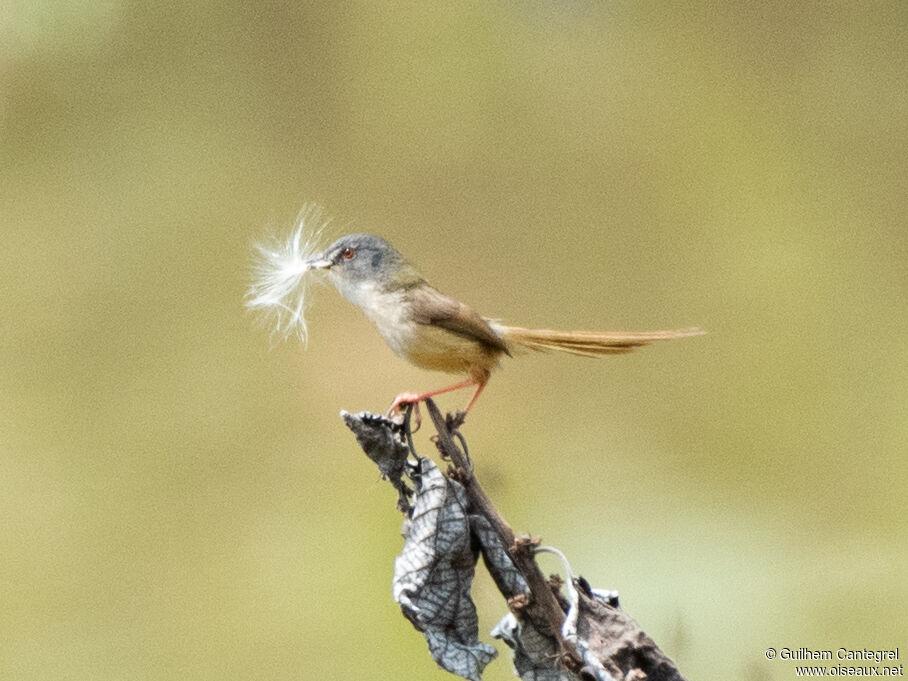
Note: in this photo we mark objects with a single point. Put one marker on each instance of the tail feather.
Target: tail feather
(587, 343)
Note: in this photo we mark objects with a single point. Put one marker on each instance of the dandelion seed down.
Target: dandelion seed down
(279, 289)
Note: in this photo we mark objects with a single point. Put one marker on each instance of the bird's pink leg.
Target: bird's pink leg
(476, 396)
(416, 398)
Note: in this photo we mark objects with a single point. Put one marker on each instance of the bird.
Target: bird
(437, 332)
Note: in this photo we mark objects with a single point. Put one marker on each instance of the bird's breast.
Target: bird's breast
(386, 309)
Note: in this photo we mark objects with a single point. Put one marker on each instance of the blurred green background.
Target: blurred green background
(178, 497)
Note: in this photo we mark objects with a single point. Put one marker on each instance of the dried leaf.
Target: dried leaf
(434, 572)
(507, 577)
(612, 645)
(376, 435)
(535, 654)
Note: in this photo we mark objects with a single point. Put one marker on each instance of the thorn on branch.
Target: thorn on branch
(518, 604)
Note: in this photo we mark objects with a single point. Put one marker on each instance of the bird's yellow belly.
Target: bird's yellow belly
(427, 346)
(437, 349)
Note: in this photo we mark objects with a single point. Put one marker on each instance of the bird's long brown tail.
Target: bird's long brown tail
(586, 343)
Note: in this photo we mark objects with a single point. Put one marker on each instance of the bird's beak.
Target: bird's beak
(318, 263)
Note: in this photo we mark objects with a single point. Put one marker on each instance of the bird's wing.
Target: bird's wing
(432, 307)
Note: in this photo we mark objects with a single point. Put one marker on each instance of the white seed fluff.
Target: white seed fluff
(279, 288)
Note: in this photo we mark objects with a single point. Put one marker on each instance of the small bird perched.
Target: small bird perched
(435, 331)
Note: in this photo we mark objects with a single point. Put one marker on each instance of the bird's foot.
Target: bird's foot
(402, 401)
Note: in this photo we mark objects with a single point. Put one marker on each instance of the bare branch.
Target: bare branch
(583, 636)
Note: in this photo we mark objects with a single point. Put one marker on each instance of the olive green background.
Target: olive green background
(178, 498)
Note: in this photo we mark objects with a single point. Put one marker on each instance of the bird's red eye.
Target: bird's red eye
(348, 253)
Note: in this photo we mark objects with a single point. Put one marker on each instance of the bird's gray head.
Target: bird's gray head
(357, 262)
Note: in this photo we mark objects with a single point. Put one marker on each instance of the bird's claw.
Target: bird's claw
(400, 404)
